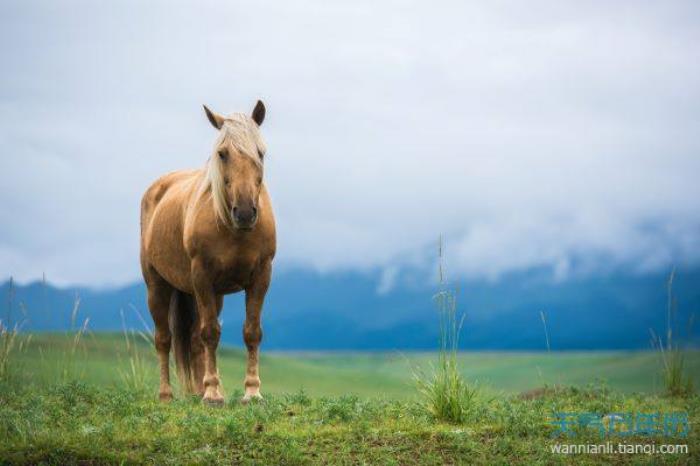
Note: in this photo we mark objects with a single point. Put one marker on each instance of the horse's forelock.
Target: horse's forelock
(242, 132)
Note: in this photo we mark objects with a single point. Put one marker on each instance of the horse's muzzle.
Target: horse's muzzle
(245, 217)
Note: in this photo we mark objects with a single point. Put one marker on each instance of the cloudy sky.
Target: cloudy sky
(562, 135)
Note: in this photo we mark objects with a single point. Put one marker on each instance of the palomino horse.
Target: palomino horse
(206, 233)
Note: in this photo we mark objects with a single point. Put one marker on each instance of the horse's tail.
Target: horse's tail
(183, 318)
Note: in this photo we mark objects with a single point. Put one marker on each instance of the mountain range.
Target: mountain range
(349, 310)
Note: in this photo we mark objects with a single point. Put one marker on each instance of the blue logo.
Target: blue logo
(673, 424)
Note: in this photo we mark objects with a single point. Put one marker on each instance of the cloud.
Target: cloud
(387, 280)
(555, 135)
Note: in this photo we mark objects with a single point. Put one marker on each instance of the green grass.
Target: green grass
(320, 408)
(80, 423)
(446, 393)
(675, 376)
(103, 358)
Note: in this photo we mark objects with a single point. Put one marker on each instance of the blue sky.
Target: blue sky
(557, 134)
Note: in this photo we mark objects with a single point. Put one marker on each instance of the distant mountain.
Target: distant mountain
(344, 310)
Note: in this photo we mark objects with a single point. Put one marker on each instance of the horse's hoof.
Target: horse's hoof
(165, 397)
(248, 398)
(213, 402)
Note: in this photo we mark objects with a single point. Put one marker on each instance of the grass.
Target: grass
(136, 373)
(82, 423)
(445, 391)
(320, 408)
(104, 357)
(11, 342)
(673, 358)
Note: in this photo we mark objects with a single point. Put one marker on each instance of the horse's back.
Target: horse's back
(171, 185)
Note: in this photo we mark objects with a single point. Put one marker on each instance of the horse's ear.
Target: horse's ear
(259, 113)
(215, 119)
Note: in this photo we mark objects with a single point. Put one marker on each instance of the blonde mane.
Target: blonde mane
(240, 131)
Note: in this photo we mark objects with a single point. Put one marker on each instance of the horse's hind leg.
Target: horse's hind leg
(159, 295)
(252, 331)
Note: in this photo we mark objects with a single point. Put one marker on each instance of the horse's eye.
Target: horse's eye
(227, 181)
(260, 154)
(223, 155)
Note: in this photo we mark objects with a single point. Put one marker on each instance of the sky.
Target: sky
(551, 135)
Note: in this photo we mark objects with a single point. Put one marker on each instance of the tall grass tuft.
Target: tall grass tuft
(12, 341)
(136, 372)
(447, 395)
(73, 369)
(676, 381)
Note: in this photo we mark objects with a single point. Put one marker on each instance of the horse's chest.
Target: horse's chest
(233, 272)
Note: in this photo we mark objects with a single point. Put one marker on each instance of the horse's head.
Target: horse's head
(235, 170)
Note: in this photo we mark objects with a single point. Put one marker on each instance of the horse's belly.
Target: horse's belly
(179, 278)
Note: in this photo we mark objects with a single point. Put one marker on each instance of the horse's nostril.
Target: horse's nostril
(245, 215)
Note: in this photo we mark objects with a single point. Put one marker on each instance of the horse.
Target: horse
(204, 234)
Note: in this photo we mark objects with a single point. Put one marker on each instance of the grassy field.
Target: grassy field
(94, 403)
(101, 359)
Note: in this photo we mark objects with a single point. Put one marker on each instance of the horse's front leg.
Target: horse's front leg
(252, 332)
(210, 331)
